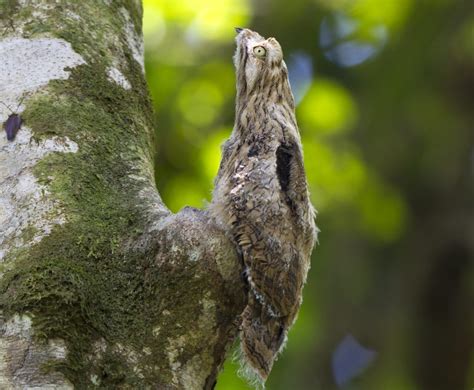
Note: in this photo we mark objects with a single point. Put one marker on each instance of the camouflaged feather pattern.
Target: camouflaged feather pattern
(262, 199)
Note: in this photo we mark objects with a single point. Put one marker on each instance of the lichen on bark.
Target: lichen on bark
(135, 295)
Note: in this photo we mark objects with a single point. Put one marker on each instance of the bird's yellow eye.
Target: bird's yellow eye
(259, 51)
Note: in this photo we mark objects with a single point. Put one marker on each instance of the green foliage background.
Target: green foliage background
(389, 148)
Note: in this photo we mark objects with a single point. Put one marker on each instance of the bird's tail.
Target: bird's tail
(262, 337)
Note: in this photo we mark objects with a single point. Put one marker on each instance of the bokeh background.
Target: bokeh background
(385, 93)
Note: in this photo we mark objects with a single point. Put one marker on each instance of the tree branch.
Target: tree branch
(101, 285)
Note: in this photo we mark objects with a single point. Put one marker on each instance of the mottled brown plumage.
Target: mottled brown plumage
(261, 198)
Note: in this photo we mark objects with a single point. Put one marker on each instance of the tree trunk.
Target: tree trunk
(101, 285)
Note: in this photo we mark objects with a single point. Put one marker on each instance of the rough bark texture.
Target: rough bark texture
(101, 286)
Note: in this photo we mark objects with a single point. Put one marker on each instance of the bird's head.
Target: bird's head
(257, 58)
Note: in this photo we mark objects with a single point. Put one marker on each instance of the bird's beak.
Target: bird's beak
(238, 30)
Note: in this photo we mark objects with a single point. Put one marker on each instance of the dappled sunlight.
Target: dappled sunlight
(390, 13)
(383, 211)
(199, 102)
(209, 20)
(214, 17)
(334, 176)
(327, 108)
(211, 153)
(154, 24)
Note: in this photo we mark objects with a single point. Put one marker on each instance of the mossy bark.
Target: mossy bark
(104, 287)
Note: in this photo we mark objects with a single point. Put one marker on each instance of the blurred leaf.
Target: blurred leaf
(216, 19)
(199, 102)
(184, 191)
(334, 176)
(213, 19)
(327, 108)
(211, 153)
(383, 211)
(337, 176)
(154, 25)
(392, 14)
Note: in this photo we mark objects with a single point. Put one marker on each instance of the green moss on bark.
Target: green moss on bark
(80, 283)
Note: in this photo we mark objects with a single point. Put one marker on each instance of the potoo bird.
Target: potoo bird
(261, 198)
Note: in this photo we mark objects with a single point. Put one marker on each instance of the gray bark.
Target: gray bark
(101, 285)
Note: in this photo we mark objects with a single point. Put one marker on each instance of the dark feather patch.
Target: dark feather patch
(283, 156)
(12, 125)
